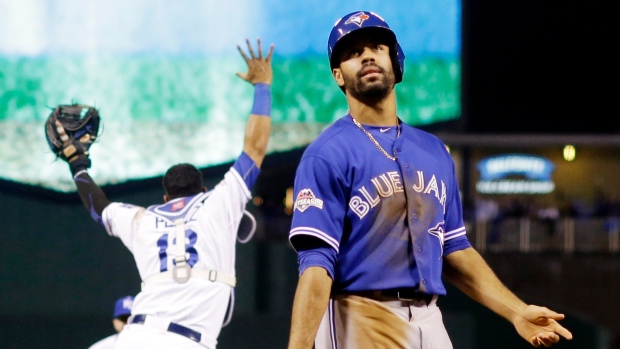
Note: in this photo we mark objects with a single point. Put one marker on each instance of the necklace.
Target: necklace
(374, 141)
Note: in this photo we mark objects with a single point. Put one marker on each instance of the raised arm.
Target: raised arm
(258, 127)
(471, 274)
(93, 198)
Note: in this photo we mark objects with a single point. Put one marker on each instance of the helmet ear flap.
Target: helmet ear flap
(398, 61)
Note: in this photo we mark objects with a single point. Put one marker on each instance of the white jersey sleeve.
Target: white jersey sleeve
(119, 220)
(106, 343)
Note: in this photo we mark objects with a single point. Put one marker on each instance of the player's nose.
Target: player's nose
(368, 54)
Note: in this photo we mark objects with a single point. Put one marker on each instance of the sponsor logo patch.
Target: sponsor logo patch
(305, 199)
(177, 205)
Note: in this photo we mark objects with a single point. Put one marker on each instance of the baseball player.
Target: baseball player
(122, 310)
(184, 249)
(378, 219)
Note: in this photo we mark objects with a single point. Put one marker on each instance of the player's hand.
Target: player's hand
(259, 66)
(539, 326)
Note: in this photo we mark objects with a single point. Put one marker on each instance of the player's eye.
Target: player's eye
(380, 47)
(352, 53)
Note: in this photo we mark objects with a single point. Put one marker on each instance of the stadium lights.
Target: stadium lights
(569, 153)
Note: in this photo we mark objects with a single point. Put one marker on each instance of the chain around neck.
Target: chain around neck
(374, 141)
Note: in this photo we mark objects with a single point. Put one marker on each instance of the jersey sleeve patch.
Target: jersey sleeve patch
(305, 199)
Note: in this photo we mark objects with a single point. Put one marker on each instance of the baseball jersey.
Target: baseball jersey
(211, 222)
(105, 343)
(390, 222)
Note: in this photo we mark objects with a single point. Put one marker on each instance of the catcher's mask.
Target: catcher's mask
(365, 21)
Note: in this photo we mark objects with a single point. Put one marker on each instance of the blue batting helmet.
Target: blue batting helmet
(367, 21)
(123, 306)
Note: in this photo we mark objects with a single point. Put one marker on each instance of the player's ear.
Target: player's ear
(337, 74)
(166, 198)
(204, 189)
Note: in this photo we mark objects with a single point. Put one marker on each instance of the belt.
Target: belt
(402, 294)
(165, 326)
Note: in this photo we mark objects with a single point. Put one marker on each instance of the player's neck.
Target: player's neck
(381, 113)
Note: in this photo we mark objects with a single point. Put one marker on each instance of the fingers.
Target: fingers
(546, 312)
(259, 65)
(547, 339)
(556, 316)
(554, 331)
(541, 315)
(564, 332)
(245, 57)
(270, 54)
(250, 47)
(259, 48)
(540, 326)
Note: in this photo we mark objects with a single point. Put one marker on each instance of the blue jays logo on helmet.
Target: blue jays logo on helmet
(357, 18)
(365, 20)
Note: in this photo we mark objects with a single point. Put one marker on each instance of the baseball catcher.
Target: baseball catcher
(187, 292)
(70, 131)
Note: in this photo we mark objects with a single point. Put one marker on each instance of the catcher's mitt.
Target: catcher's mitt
(71, 130)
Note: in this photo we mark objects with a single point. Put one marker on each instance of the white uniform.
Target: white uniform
(211, 221)
(106, 343)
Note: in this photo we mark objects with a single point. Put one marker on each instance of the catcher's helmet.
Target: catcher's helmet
(365, 20)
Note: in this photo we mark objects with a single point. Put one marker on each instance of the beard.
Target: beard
(373, 91)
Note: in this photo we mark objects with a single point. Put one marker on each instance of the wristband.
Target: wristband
(78, 173)
(262, 99)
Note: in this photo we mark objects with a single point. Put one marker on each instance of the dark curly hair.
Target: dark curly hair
(182, 180)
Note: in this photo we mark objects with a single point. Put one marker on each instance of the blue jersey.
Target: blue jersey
(390, 222)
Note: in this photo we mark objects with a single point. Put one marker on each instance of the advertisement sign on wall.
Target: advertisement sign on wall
(515, 174)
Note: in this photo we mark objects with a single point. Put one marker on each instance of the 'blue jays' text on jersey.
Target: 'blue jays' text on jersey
(390, 222)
